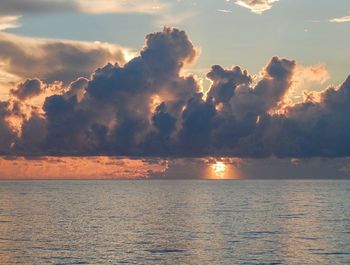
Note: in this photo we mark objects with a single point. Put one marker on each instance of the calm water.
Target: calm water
(175, 222)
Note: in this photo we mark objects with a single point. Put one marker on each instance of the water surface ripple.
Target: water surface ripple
(175, 222)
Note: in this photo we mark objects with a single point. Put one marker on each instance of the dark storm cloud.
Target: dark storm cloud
(29, 88)
(115, 113)
(277, 79)
(7, 135)
(33, 135)
(314, 128)
(198, 122)
(225, 82)
(147, 108)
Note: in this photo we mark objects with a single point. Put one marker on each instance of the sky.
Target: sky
(174, 89)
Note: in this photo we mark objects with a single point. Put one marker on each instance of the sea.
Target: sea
(175, 222)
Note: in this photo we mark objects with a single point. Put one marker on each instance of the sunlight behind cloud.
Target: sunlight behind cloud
(219, 167)
(223, 169)
(307, 77)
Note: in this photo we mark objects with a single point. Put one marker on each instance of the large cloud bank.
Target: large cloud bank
(148, 108)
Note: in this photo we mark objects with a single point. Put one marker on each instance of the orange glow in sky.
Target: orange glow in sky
(76, 168)
(221, 170)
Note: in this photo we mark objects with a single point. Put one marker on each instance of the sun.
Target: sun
(223, 169)
(219, 168)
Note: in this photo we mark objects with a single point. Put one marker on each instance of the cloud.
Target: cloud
(19, 7)
(315, 128)
(167, 18)
(256, 6)
(116, 6)
(101, 167)
(304, 77)
(160, 10)
(149, 108)
(9, 22)
(314, 73)
(340, 19)
(54, 59)
(224, 10)
(123, 96)
(77, 168)
(273, 168)
(266, 168)
(30, 88)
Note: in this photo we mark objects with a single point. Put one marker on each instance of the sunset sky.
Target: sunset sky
(224, 89)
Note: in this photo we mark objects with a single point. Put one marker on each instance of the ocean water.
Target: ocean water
(175, 222)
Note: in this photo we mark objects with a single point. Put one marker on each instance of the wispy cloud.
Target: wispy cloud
(168, 19)
(53, 59)
(162, 11)
(116, 6)
(256, 6)
(9, 22)
(15, 7)
(340, 19)
(224, 10)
